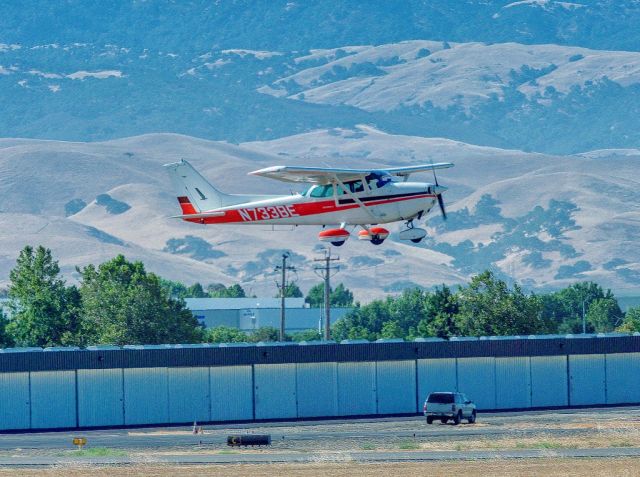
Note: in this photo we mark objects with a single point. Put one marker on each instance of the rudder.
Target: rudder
(195, 193)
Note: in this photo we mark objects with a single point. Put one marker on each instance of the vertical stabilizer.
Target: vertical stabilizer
(195, 193)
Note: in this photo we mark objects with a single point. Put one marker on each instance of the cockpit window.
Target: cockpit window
(377, 180)
(355, 186)
(321, 191)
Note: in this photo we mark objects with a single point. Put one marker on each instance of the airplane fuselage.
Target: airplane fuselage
(392, 202)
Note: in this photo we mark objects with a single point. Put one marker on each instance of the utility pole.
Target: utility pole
(283, 287)
(326, 269)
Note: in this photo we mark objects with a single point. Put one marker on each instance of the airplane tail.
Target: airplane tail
(195, 193)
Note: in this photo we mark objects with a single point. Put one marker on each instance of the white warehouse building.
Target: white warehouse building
(249, 314)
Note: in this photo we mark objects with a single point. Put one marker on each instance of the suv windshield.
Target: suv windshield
(440, 398)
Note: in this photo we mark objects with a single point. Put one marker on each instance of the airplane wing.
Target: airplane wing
(326, 175)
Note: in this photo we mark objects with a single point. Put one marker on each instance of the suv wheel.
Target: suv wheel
(457, 418)
(472, 417)
(429, 419)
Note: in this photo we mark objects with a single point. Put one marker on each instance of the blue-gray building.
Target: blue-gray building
(145, 385)
(249, 314)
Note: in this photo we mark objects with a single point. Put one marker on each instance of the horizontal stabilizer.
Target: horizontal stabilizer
(203, 215)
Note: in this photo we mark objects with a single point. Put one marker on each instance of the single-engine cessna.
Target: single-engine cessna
(336, 200)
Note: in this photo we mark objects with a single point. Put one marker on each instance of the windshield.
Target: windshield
(440, 398)
(378, 180)
(321, 191)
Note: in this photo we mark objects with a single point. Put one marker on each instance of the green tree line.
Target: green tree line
(119, 302)
(487, 306)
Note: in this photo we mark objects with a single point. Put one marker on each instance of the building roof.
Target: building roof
(55, 359)
(241, 303)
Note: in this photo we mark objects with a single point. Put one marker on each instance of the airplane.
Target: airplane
(336, 199)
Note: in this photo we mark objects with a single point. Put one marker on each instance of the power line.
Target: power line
(326, 269)
(283, 287)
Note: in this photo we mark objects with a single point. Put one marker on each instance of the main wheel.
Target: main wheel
(472, 417)
(375, 240)
(338, 244)
(457, 418)
(429, 419)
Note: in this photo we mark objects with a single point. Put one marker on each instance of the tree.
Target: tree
(265, 333)
(315, 297)
(392, 329)
(363, 322)
(292, 291)
(604, 315)
(175, 290)
(565, 307)
(631, 322)
(5, 339)
(340, 297)
(306, 335)
(123, 304)
(196, 291)
(225, 334)
(488, 307)
(441, 308)
(234, 291)
(44, 311)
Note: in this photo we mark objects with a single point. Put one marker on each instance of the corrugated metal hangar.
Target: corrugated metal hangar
(135, 385)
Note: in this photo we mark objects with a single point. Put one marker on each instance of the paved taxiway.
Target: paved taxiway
(362, 440)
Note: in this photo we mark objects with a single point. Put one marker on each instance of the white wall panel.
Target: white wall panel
(317, 389)
(146, 396)
(188, 394)
(396, 387)
(100, 397)
(275, 391)
(14, 401)
(586, 379)
(477, 379)
(549, 386)
(435, 375)
(623, 378)
(513, 383)
(53, 399)
(356, 388)
(231, 393)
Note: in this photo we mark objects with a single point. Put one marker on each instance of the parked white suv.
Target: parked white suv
(445, 406)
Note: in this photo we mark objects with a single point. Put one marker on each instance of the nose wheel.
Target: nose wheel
(414, 234)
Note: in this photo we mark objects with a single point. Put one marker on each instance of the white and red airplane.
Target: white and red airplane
(337, 199)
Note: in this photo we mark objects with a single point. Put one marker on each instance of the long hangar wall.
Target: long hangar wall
(108, 386)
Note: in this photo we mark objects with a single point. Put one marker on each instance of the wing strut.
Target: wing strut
(355, 199)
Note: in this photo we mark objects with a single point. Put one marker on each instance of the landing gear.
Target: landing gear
(375, 235)
(415, 234)
(338, 244)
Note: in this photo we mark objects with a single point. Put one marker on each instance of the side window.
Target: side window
(356, 186)
(322, 191)
(340, 190)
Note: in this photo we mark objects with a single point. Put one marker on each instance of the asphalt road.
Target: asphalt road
(308, 441)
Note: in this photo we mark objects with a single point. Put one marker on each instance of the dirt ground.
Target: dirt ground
(623, 467)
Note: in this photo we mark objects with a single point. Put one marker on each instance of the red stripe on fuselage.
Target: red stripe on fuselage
(186, 206)
(302, 209)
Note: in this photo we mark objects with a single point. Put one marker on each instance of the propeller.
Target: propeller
(439, 194)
